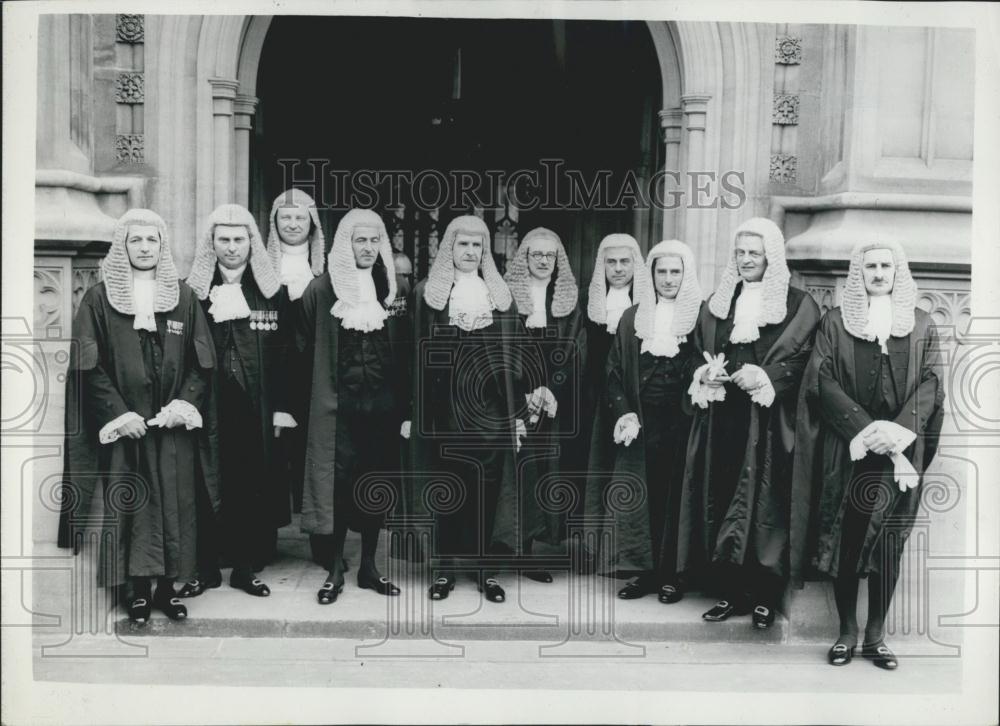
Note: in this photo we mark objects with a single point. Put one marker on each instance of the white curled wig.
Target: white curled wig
(689, 297)
(342, 266)
(642, 283)
(441, 277)
(854, 305)
(116, 270)
(317, 243)
(205, 260)
(774, 298)
(564, 295)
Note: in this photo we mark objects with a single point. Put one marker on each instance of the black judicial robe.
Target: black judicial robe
(597, 453)
(834, 406)
(149, 485)
(298, 384)
(554, 357)
(642, 536)
(317, 337)
(751, 522)
(435, 344)
(248, 387)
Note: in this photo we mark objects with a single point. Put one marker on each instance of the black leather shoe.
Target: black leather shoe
(669, 594)
(880, 655)
(250, 585)
(381, 585)
(491, 588)
(328, 593)
(840, 654)
(763, 617)
(194, 588)
(441, 588)
(139, 610)
(538, 575)
(633, 590)
(723, 610)
(170, 606)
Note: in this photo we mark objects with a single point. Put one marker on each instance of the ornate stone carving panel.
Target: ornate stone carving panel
(947, 307)
(131, 28)
(129, 148)
(786, 109)
(783, 168)
(84, 278)
(788, 50)
(48, 299)
(130, 87)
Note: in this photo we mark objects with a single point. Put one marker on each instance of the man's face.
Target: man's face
(619, 267)
(668, 273)
(293, 224)
(364, 240)
(879, 270)
(142, 242)
(542, 254)
(232, 245)
(750, 258)
(467, 251)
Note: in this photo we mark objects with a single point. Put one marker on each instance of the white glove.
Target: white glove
(541, 399)
(521, 431)
(175, 413)
(903, 472)
(713, 369)
(404, 430)
(281, 420)
(627, 429)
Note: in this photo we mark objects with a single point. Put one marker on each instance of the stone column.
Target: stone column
(244, 108)
(671, 121)
(698, 228)
(223, 98)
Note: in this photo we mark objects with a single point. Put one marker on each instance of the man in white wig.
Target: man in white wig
(544, 288)
(610, 294)
(239, 291)
(465, 433)
(358, 345)
(138, 375)
(649, 369)
(297, 249)
(756, 332)
(869, 418)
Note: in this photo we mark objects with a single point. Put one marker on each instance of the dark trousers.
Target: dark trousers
(365, 475)
(464, 533)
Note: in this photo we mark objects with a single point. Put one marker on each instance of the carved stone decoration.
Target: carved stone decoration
(788, 50)
(129, 148)
(824, 295)
(786, 109)
(48, 299)
(783, 168)
(84, 278)
(131, 28)
(948, 308)
(130, 87)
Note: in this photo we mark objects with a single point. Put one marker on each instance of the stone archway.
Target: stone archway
(201, 101)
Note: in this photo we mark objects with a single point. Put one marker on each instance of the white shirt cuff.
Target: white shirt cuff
(109, 432)
(284, 420)
(764, 394)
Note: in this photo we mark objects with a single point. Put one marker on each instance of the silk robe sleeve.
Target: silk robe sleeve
(617, 395)
(837, 409)
(786, 374)
(199, 359)
(927, 397)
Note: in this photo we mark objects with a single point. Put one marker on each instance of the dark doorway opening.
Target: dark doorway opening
(416, 94)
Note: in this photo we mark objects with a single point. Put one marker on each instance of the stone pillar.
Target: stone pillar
(698, 229)
(244, 108)
(671, 122)
(223, 102)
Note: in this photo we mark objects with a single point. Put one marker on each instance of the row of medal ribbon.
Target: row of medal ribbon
(263, 320)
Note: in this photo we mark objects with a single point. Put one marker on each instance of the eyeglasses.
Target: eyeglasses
(539, 256)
